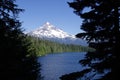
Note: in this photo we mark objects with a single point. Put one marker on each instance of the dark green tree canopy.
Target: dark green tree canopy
(17, 57)
(101, 23)
(100, 16)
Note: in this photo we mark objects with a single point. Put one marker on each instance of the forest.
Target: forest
(101, 23)
(44, 47)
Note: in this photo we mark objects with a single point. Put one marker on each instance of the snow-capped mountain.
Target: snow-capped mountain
(50, 32)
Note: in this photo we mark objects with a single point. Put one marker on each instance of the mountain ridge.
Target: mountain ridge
(50, 32)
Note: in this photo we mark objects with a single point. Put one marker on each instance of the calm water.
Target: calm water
(56, 65)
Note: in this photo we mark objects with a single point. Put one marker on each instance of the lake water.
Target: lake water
(54, 66)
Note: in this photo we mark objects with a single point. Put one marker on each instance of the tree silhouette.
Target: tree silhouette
(17, 56)
(101, 23)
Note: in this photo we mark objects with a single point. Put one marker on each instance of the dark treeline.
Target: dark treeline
(18, 60)
(101, 25)
(44, 47)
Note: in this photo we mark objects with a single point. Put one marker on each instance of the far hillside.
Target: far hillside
(50, 32)
(44, 47)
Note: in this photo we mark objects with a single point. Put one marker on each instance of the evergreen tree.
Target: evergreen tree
(17, 57)
(101, 23)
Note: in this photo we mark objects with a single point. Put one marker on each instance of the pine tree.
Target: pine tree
(17, 57)
(101, 23)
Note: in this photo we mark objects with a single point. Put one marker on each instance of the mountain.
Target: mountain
(50, 32)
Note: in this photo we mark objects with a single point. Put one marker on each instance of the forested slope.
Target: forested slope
(44, 47)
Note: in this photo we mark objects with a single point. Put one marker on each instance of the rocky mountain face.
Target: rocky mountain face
(50, 32)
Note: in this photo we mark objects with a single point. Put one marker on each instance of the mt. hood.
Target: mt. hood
(49, 32)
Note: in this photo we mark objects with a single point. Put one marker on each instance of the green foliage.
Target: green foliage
(101, 24)
(18, 60)
(44, 47)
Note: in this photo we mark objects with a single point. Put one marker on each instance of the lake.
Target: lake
(54, 66)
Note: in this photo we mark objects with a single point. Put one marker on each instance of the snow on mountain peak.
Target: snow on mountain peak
(47, 23)
(49, 31)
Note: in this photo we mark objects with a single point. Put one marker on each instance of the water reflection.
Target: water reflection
(55, 65)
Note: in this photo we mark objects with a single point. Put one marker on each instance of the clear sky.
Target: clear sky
(57, 12)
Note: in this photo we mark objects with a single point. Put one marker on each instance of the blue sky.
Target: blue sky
(57, 12)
